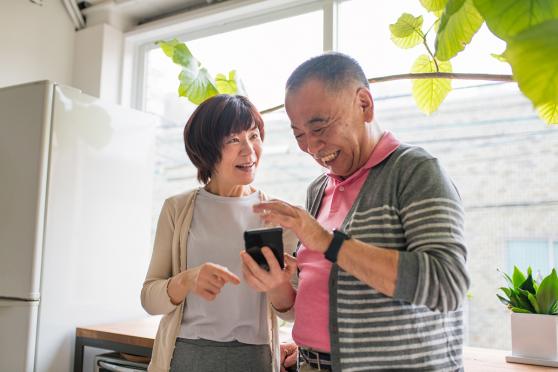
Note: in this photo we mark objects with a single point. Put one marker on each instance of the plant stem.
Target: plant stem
(443, 75)
(425, 75)
(430, 52)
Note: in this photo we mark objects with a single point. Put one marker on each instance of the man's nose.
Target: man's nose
(313, 146)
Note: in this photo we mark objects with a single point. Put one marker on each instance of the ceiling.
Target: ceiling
(142, 11)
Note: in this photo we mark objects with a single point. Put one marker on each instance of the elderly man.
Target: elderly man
(382, 256)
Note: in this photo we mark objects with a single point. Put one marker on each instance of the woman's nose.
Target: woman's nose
(247, 147)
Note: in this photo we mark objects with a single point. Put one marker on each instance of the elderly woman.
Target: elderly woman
(212, 321)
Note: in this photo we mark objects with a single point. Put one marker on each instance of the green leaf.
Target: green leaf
(224, 85)
(534, 303)
(518, 277)
(434, 5)
(522, 301)
(527, 285)
(507, 291)
(230, 85)
(196, 86)
(548, 292)
(549, 112)
(519, 310)
(508, 279)
(429, 93)
(195, 82)
(532, 55)
(507, 18)
(458, 24)
(168, 46)
(503, 300)
(406, 32)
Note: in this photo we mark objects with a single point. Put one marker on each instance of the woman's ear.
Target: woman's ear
(366, 103)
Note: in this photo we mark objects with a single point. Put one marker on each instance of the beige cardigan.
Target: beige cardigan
(169, 260)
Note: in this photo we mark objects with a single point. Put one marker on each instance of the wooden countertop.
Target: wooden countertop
(142, 333)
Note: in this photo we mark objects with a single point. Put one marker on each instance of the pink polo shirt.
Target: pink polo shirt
(311, 327)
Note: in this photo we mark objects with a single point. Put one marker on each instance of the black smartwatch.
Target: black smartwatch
(339, 236)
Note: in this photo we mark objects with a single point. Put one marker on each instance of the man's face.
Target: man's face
(330, 125)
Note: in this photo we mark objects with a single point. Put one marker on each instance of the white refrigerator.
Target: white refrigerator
(76, 180)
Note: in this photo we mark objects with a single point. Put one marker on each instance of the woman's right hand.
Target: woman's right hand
(205, 280)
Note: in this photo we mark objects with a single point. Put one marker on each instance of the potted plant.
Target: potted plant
(534, 324)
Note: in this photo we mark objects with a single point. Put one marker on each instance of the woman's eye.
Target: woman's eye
(318, 130)
(255, 136)
(233, 140)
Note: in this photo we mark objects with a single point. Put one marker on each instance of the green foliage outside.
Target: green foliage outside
(525, 295)
(529, 28)
(196, 83)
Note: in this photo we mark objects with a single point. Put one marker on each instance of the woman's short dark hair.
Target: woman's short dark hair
(213, 120)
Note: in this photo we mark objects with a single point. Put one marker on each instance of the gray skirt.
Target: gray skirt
(212, 356)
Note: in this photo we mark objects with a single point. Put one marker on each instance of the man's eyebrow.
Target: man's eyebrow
(317, 120)
(313, 120)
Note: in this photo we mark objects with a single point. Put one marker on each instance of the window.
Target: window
(539, 254)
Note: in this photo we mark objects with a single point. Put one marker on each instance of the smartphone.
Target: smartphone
(255, 239)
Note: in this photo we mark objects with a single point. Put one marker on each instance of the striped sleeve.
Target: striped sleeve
(432, 271)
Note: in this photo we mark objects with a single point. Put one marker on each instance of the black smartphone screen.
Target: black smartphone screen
(255, 239)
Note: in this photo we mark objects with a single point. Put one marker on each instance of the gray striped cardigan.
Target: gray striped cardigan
(407, 203)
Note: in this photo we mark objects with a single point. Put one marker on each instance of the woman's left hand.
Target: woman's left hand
(308, 230)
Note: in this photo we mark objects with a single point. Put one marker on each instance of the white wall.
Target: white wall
(98, 61)
(36, 42)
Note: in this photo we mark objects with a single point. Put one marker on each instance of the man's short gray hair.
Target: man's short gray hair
(335, 70)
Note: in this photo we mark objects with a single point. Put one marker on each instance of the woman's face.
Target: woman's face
(239, 158)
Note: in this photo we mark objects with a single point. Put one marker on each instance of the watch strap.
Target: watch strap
(332, 251)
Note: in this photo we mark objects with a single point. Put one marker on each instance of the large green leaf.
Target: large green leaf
(434, 5)
(196, 83)
(429, 93)
(507, 18)
(549, 112)
(548, 293)
(458, 24)
(407, 31)
(197, 86)
(179, 53)
(533, 56)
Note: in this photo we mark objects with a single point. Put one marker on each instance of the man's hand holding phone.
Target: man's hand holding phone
(262, 267)
(263, 280)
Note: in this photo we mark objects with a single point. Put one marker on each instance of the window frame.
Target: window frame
(212, 20)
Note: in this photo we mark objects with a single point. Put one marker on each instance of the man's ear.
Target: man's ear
(366, 103)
